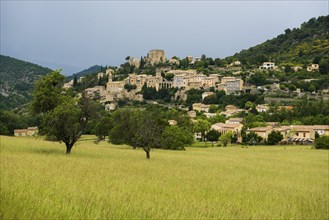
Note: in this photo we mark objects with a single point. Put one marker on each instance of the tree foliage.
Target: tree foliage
(322, 142)
(274, 137)
(63, 117)
(226, 138)
(48, 93)
(66, 123)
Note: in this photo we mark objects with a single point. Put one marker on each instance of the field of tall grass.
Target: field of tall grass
(38, 181)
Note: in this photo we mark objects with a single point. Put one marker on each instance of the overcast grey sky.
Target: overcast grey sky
(74, 35)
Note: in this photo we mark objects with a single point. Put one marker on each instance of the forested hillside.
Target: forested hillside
(92, 69)
(17, 80)
(304, 45)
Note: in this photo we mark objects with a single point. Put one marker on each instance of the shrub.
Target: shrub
(274, 138)
(322, 142)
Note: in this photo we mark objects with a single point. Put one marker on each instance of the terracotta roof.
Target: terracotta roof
(261, 128)
(236, 119)
(20, 130)
(222, 125)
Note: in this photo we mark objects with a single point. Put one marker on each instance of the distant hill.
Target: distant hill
(92, 69)
(17, 80)
(297, 46)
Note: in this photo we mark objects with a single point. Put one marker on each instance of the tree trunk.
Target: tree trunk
(68, 148)
(147, 151)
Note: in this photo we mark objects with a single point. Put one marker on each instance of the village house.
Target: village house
(234, 121)
(312, 67)
(263, 132)
(293, 133)
(230, 85)
(231, 110)
(200, 107)
(235, 63)
(262, 108)
(224, 128)
(30, 131)
(190, 79)
(268, 66)
(210, 115)
(192, 114)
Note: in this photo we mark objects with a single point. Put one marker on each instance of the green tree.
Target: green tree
(137, 128)
(64, 117)
(75, 81)
(66, 123)
(274, 137)
(226, 138)
(324, 66)
(212, 135)
(147, 133)
(322, 142)
(249, 105)
(103, 127)
(48, 93)
(201, 126)
(176, 138)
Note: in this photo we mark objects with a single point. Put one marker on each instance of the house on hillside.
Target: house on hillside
(312, 67)
(200, 107)
(263, 132)
(268, 66)
(234, 121)
(231, 110)
(230, 85)
(224, 128)
(262, 108)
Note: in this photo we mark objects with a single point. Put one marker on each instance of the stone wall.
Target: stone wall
(156, 56)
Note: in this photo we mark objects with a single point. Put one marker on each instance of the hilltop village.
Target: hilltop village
(194, 85)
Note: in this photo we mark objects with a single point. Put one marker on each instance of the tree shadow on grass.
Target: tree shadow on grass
(47, 151)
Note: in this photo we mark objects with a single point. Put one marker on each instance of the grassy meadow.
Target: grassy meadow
(99, 181)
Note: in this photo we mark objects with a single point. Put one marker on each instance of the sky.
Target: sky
(74, 35)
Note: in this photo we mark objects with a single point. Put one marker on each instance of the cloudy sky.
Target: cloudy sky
(74, 35)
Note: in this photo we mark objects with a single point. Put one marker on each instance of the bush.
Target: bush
(274, 138)
(322, 142)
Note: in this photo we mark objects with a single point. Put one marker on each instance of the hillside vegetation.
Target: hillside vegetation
(90, 70)
(302, 45)
(17, 80)
(105, 181)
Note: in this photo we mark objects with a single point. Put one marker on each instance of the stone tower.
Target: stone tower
(156, 56)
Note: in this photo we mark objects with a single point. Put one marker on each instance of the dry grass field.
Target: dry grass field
(38, 181)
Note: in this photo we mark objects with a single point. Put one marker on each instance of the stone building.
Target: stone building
(231, 85)
(156, 56)
(30, 131)
(200, 107)
(268, 66)
(312, 67)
